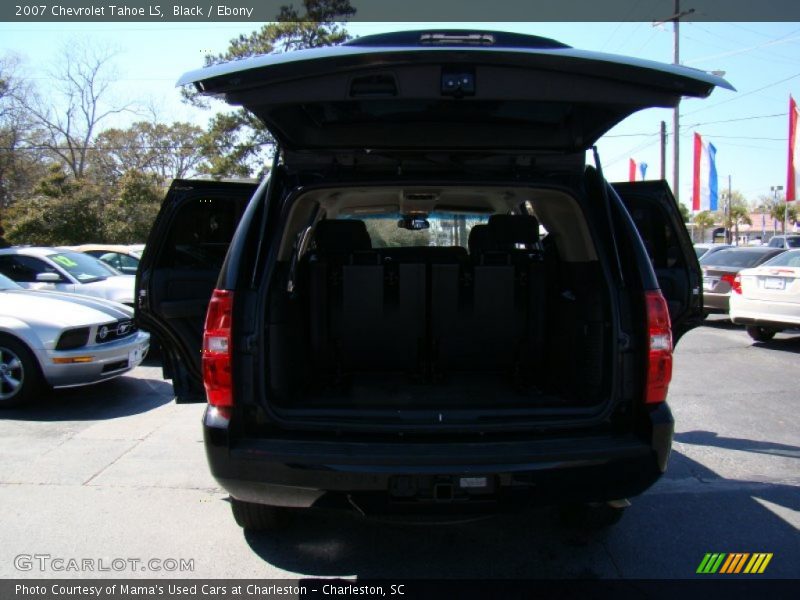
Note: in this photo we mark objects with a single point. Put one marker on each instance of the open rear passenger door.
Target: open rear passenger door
(179, 270)
(657, 217)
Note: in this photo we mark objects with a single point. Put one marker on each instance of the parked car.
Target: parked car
(52, 339)
(704, 249)
(720, 269)
(42, 268)
(784, 241)
(123, 258)
(348, 362)
(766, 299)
(136, 249)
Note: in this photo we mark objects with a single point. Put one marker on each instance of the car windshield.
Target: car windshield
(787, 259)
(82, 267)
(7, 284)
(445, 229)
(733, 257)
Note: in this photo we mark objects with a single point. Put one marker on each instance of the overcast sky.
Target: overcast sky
(749, 127)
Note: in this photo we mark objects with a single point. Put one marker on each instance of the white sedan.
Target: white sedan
(62, 270)
(52, 339)
(766, 299)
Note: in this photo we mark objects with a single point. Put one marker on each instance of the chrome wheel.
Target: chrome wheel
(12, 374)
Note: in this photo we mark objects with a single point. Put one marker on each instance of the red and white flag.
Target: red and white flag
(704, 181)
(794, 152)
(631, 170)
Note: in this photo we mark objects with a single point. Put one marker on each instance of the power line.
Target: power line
(737, 119)
(740, 96)
(745, 137)
(643, 134)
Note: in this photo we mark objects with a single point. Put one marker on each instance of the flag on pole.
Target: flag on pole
(631, 170)
(794, 152)
(643, 169)
(704, 186)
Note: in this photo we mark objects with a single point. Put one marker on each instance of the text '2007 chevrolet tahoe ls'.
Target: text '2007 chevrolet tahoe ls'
(433, 302)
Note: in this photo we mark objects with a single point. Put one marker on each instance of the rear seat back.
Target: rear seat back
(488, 315)
(422, 309)
(363, 315)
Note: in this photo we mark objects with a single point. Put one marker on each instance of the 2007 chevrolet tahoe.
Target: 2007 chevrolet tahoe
(433, 302)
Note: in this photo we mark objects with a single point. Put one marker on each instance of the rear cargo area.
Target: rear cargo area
(503, 325)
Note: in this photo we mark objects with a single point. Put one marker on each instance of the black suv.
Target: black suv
(432, 303)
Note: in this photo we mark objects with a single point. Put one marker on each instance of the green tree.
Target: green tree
(62, 211)
(703, 220)
(130, 217)
(163, 151)
(22, 164)
(778, 210)
(737, 214)
(236, 143)
(686, 215)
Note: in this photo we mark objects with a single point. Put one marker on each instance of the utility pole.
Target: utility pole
(775, 189)
(728, 214)
(663, 150)
(676, 119)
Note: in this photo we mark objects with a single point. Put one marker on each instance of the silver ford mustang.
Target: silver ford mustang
(53, 339)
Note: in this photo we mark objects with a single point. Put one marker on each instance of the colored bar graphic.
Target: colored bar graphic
(765, 562)
(711, 562)
(734, 563)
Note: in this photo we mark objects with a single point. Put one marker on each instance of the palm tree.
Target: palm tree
(739, 214)
(704, 219)
(777, 210)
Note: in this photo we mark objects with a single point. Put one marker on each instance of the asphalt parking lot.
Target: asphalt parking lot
(118, 471)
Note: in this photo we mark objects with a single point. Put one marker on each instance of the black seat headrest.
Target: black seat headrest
(480, 239)
(508, 231)
(342, 235)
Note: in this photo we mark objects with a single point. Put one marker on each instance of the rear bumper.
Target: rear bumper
(776, 315)
(716, 303)
(433, 477)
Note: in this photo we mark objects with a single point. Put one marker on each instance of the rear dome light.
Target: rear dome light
(659, 348)
(216, 352)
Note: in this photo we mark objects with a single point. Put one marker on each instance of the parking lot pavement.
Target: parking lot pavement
(118, 471)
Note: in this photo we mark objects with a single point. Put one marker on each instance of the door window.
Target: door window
(24, 269)
(201, 233)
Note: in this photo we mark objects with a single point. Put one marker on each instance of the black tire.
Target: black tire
(20, 378)
(258, 517)
(591, 517)
(760, 334)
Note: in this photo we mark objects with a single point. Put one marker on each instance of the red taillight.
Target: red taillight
(734, 281)
(659, 348)
(216, 351)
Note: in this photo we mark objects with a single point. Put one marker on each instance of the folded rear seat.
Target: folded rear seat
(364, 315)
(486, 314)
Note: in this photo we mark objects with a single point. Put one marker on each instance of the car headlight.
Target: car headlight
(73, 338)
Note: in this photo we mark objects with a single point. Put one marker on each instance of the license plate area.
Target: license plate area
(774, 283)
(442, 488)
(135, 356)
